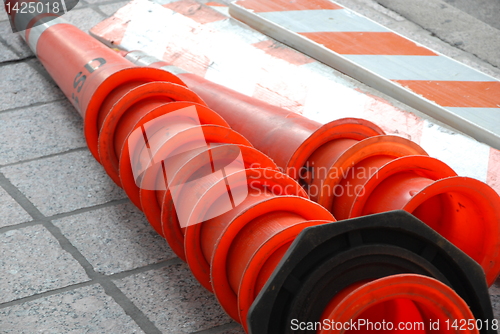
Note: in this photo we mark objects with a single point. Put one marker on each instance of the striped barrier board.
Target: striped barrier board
(450, 91)
(203, 40)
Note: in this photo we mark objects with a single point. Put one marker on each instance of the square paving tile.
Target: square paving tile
(6, 54)
(22, 86)
(115, 239)
(83, 310)
(64, 183)
(32, 262)
(173, 299)
(37, 131)
(11, 213)
(15, 41)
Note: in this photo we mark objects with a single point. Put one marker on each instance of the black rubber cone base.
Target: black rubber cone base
(325, 259)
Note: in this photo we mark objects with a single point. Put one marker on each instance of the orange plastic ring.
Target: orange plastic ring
(420, 297)
(152, 90)
(140, 75)
(212, 134)
(205, 116)
(249, 286)
(426, 166)
(169, 223)
(218, 269)
(344, 128)
(475, 224)
(393, 146)
(266, 182)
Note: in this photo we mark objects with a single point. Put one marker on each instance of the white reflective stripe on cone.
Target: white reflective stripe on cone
(39, 29)
(141, 58)
(135, 56)
(23, 16)
(147, 60)
(173, 69)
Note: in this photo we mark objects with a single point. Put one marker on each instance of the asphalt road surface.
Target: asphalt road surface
(487, 11)
(472, 26)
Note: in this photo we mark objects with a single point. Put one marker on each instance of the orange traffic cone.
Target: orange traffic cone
(341, 162)
(222, 205)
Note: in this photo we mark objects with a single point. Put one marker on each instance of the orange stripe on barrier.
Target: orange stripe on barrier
(115, 31)
(368, 43)
(475, 94)
(283, 5)
(195, 11)
(278, 50)
(215, 4)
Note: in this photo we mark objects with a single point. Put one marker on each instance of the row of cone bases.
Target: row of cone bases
(246, 178)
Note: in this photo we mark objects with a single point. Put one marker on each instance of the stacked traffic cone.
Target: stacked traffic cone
(351, 168)
(223, 206)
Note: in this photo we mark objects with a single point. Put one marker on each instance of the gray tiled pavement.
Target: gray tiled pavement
(75, 255)
(32, 262)
(70, 181)
(115, 238)
(22, 85)
(184, 307)
(6, 54)
(19, 47)
(48, 124)
(86, 309)
(12, 212)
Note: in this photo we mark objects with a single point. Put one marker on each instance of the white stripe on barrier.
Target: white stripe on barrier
(489, 118)
(152, 39)
(227, 71)
(235, 30)
(328, 100)
(323, 20)
(435, 68)
(444, 144)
